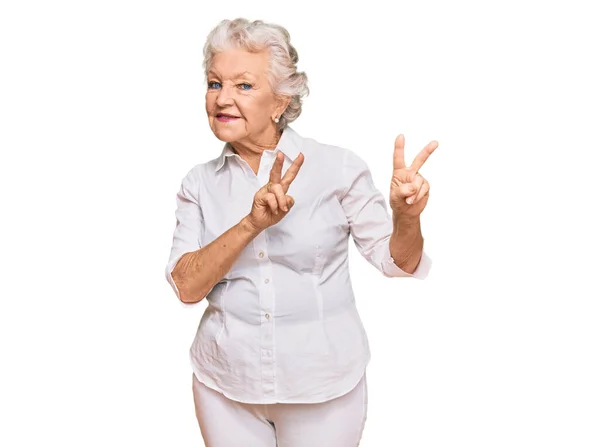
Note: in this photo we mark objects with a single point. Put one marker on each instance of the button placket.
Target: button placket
(266, 309)
(266, 293)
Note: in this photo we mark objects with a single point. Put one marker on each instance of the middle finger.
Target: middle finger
(422, 156)
(292, 171)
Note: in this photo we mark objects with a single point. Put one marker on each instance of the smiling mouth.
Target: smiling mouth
(225, 115)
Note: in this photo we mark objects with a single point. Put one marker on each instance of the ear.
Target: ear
(284, 102)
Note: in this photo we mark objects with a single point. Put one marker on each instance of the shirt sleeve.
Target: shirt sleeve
(371, 223)
(188, 227)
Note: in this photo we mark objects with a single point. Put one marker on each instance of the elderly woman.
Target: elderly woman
(262, 231)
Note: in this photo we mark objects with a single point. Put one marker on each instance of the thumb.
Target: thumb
(405, 189)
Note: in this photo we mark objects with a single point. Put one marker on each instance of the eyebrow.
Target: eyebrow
(235, 76)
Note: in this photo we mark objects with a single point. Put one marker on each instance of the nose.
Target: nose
(224, 98)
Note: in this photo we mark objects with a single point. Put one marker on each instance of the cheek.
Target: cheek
(256, 108)
(209, 101)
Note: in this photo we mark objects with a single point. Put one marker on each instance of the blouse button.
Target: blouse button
(267, 316)
(267, 281)
(261, 254)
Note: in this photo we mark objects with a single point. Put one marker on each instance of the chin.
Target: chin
(227, 134)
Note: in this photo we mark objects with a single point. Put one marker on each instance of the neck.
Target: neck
(253, 145)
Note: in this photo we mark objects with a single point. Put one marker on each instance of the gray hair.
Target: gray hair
(257, 36)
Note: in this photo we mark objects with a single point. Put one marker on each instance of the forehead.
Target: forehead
(234, 63)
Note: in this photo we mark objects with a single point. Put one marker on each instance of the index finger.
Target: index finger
(399, 152)
(422, 156)
(292, 171)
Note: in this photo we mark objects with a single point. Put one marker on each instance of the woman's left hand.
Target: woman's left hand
(409, 191)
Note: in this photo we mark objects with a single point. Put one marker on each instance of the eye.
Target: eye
(245, 86)
(214, 84)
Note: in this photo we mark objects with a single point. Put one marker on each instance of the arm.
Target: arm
(193, 270)
(406, 242)
(375, 232)
(197, 272)
(409, 193)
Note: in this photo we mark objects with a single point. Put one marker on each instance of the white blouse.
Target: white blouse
(282, 325)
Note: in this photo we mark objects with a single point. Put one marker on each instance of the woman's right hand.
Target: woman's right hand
(271, 202)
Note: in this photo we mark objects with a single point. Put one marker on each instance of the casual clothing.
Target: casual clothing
(282, 325)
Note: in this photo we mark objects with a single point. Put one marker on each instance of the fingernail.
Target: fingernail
(409, 200)
(286, 209)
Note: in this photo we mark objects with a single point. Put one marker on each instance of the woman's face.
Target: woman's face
(238, 86)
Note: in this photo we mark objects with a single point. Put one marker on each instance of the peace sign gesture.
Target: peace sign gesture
(271, 202)
(409, 191)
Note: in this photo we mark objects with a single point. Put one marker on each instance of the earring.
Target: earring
(276, 119)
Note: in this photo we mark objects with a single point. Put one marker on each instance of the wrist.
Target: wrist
(405, 219)
(248, 228)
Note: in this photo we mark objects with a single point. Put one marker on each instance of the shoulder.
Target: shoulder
(200, 172)
(329, 152)
(345, 159)
(192, 175)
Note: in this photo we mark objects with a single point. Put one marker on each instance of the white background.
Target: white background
(102, 114)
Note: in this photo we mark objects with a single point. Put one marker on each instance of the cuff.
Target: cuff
(391, 270)
(169, 275)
